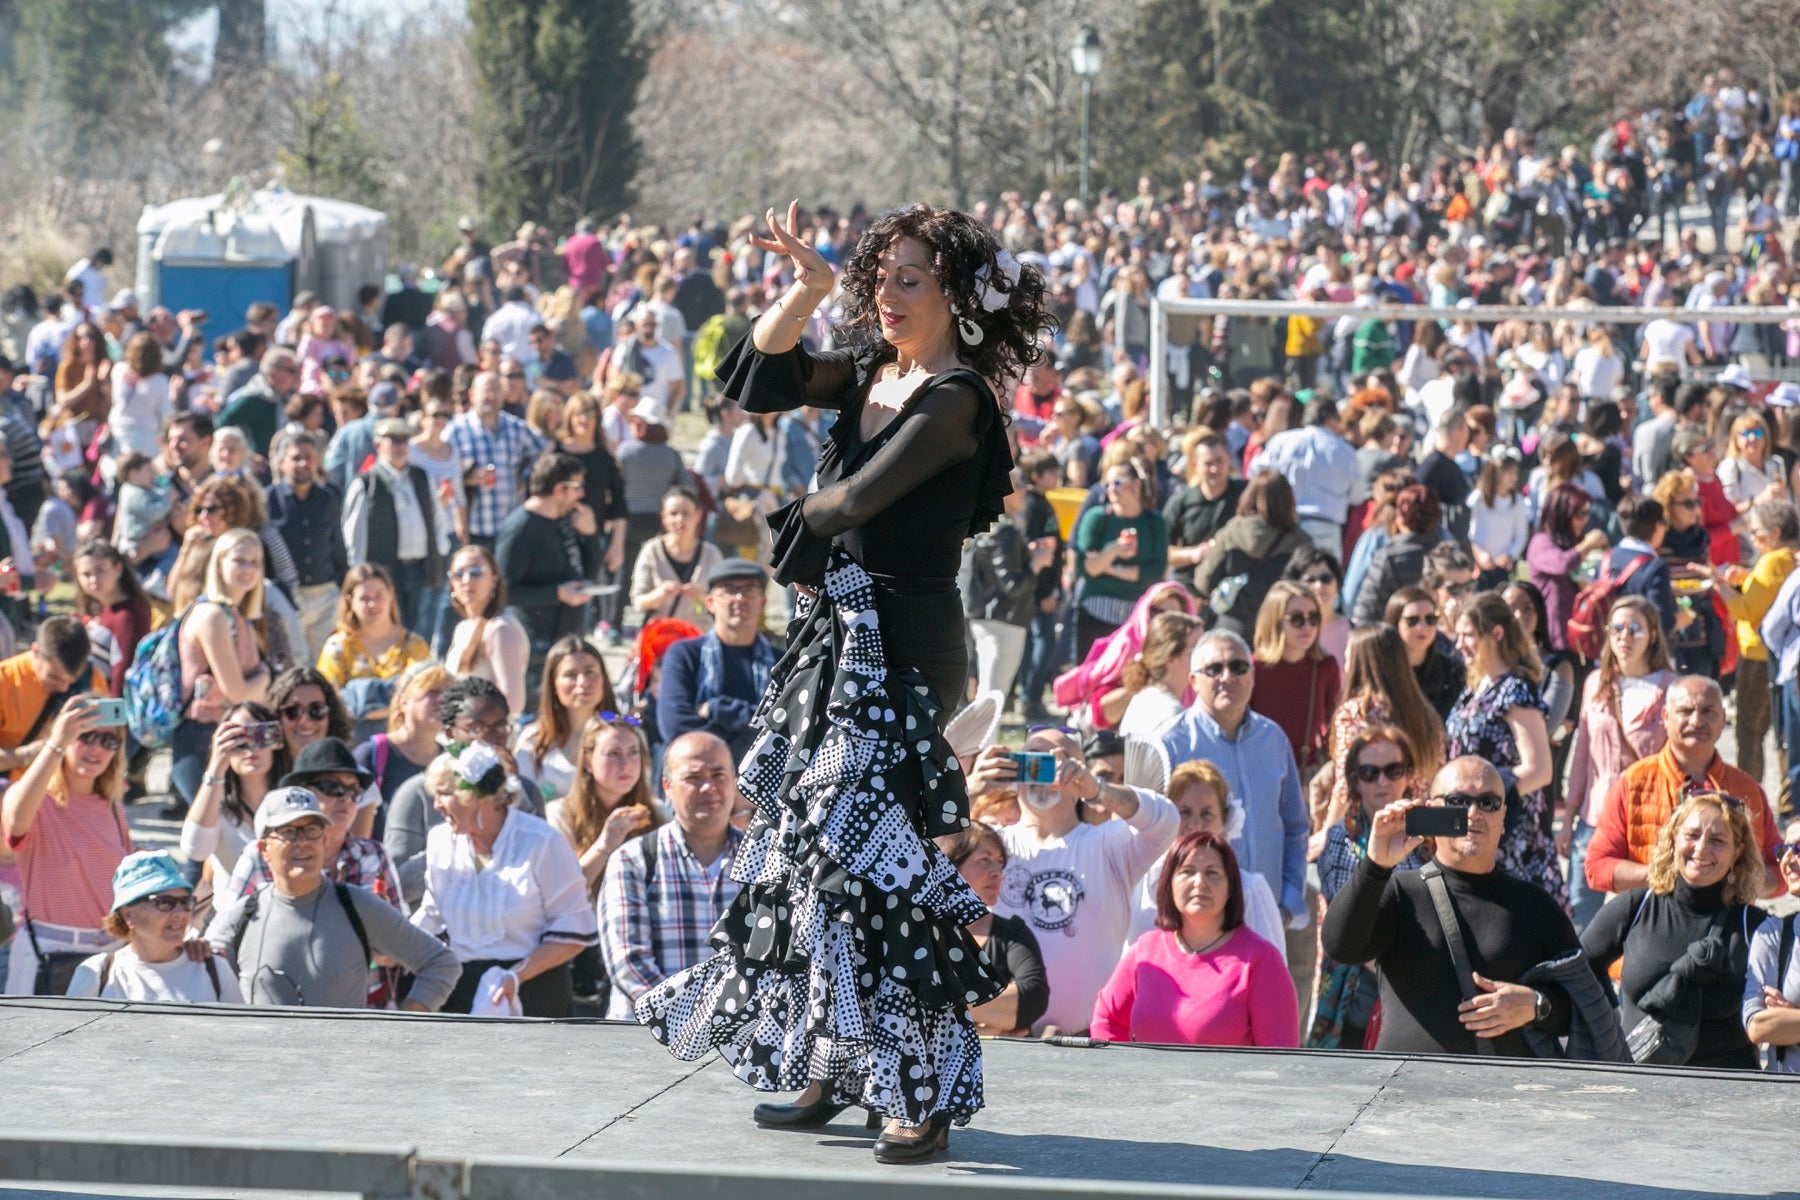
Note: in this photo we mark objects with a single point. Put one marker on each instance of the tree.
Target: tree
(73, 51)
(558, 80)
(242, 43)
(1644, 54)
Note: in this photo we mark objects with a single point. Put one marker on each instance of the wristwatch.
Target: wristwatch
(1541, 1012)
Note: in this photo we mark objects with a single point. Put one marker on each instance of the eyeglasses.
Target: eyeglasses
(1628, 628)
(305, 831)
(1304, 620)
(333, 790)
(1487, 802)
(1755, 435)
(470, 573)
(1414, 620)
(1318, 580)
(1458, 589)
(495, 731)
(613, 718)
(318, 710)
(1237, 666)
(1068, 729)
(437, 414)
(1113, 485)
(206, 510)
(103, 739)
(1783, 849)
(166, 903)
(512, 374)
(1393, 772)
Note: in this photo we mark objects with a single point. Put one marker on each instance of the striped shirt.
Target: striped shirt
(511, 447)
(645, 938)
(67, 857)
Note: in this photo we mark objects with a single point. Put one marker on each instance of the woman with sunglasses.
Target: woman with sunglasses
(575, 688)
(1318, 572)
(1379, 692)
(1297, 683)
(1562, 540)
(1436, 666)
(152, 909)
(1500, 718)
(240, 770)
(489, 642)
(64, 820)
(1380, 767)
(1621, 721)
(1122, 548)
(1697, 644)
(1749, 471)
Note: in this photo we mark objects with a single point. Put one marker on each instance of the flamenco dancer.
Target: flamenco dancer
(843, 967)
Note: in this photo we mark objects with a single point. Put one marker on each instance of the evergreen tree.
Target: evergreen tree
(79, 54)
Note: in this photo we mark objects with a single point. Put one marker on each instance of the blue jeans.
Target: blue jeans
(189, 749)
(410, 586)
(1584, 901)
(1040, 659)
(1788, 731)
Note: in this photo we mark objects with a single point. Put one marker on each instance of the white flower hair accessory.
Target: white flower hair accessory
(993, 298)
(475, 765)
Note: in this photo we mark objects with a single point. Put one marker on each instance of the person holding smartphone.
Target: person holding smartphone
(1510, 930)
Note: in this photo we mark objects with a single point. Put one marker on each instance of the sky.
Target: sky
(197, 35)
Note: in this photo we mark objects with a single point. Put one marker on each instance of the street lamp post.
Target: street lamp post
(1084, 56)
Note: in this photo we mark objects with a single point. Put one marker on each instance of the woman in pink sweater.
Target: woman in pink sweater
(1201, 977)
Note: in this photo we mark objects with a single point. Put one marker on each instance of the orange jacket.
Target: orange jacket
(1642, 801)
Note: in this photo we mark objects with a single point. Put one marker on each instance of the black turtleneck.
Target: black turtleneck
(1650, 932)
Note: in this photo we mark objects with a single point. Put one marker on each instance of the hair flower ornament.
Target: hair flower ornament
(993, 296)
(479, 769)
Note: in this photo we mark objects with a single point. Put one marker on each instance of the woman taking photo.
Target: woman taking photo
(1621, 721)
(489, 642)
(1436, 666)
(669, 577)
(1250, 553)
(916, 461)
(504, 890)
(1156, 680)
(1562, 540)
(240, 770)
(152, 907)
(1297, 683)
(411, 740)
(1685, 939)
(1201, 977)
(371, 648)
(64, 821)
(221, 661)
(575, 687)
(112, 604)
(1317, 571)
(1499, 526)
(1121, 549)
(1501, 718)
(1379, 691)
(1007, 943)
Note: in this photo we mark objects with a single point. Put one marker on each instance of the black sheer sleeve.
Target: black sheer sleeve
(941, 432)
(799, 556)
(764, 383)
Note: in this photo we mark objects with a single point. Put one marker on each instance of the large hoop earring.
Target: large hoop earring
(969, 331)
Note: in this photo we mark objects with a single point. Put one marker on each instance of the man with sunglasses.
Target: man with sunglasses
(1449, 576)
(1509, 931)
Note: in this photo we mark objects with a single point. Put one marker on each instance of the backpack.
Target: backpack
(342, 890)
(1593, 605)
(153, 694)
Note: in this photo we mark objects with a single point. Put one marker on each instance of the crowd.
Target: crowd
(361, 574)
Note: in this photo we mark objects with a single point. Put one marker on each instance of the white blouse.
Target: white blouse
(531, 891)
(554, 774)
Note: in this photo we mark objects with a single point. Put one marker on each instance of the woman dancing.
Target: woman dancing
(843, 966)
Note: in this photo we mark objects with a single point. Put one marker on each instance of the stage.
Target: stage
(601, 1092)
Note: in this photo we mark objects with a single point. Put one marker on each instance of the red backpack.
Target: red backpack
(1593, 605)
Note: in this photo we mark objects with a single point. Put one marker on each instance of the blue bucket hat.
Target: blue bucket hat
(146, 873)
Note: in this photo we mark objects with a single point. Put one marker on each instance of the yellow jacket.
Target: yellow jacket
(1752, 600)
(1303, 337)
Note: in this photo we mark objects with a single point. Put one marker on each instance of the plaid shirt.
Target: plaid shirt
(647, 938)
(512, 447)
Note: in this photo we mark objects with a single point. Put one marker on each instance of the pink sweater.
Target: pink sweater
(1239, 994)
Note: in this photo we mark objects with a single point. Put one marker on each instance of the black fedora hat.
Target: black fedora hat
(327, 756)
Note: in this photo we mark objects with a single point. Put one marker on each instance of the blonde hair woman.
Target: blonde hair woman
(1685, 938)
(611, 800)
(222, 659)
(1297, 683)
(1750, 471)
(370, 644)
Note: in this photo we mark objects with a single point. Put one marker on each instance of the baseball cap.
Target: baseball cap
(385, 395)
(286, 806)
(467, 224)
(651, 411)
(145, 873)
(123, 299)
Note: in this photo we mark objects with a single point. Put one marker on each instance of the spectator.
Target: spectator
(371, 647)
(650, 467)
(1771, 989)
(1499, 525)
(356, 411)
(488, 642)
(1780, 634)
(1438, 471)
(611, 800)
(1320, 467)
(1297, 683)
(67, 850)
(1202, 977)
(549, 552)
(1774, 533)
(307, 511)
(1067, 877)
(151, 906)
(112, 604)
(1007, 943)
(258, 407)
(140, 397)
(1195, 514)
(715, 681)
(83, 387)
(1652, 440)
(511, 324)
(503, 890)
(1685, 937)
(998, 583)
(580, 437)
(1250, 553)
(1095, 690)
(1651, 789)
(1041, 529)
(1696, 451)
(1697, 645)
(576, 689)
(394, 519)
(668, 888)
(1621, 722)
(1379, 691)
(1121, 548)
(19, 432)
(240, 771)
(502, 448)
(1750, 473)
(1401, 561)
(290, 945)
(433, 454)
(667, 578)
(1522, 987)
(1437, 667)
(413, 729)
(1318, 572)
(1156, 678)
(656, 362)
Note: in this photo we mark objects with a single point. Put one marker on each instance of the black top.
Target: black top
(605, 492)
(1013, 957)
(1193, 519)
(1439, 472)
(1650, 932)
(1039, 521)
(536, 555)
(313, 530)
(1442, 677)
(1508, 926)
(902, 503)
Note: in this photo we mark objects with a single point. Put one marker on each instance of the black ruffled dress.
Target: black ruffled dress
(845, 957)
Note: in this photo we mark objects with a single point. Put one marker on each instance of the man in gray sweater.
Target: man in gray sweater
(305, 940)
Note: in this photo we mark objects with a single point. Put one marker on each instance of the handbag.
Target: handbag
(1656, 1043)
(54, 970)
(736, 523)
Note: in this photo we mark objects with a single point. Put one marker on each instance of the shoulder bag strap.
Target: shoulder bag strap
(1783, 957)
(355, 918)
(105, 974)
(212, 973)
(1459, 954)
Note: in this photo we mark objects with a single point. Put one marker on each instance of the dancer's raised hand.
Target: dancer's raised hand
(811, 271)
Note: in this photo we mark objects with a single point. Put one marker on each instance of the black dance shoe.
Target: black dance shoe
(934, 1137)
(802, 1116)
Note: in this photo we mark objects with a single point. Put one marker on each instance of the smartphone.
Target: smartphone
(1035, 766)
(263, 735)
(109, 713)
(1435, 821)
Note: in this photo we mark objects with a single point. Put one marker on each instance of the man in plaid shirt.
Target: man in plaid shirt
(493, 440)
(664, 890)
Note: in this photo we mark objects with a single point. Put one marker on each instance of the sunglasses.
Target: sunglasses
(1629, 628)
(613, 718)
(1318, 580)
(1070, 730)
(318, 710)
(470, 573)
(1237, 666)
(1413, 620)
(169, 904)
(308, 831)
(1458, 589)
(1783, 849)
(1689, 790)
(1392, 772)
(1688, 502)
(1304, 620)
(206, 510)
(333, 790)
(437, 414)
(103, 739)
(1753, 434)
(1487, 802)
(512, 374)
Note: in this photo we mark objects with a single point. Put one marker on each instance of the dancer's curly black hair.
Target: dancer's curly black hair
(960, 247)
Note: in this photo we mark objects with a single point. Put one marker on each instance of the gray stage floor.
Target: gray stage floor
(1359, 1122)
